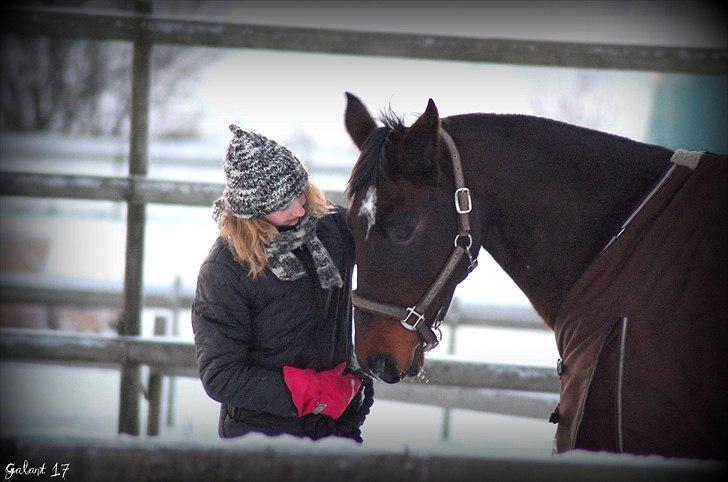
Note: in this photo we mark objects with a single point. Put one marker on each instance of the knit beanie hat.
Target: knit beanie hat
(261, 176)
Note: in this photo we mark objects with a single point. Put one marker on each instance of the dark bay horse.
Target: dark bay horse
(620, 246)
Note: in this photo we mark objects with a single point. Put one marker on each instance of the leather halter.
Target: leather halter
(413, 317)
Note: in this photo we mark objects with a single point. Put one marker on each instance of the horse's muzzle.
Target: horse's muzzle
(384, 367)
(418, 363)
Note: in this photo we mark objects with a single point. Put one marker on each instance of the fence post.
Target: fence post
(155, 385)
(53, 319)
(452, 321)
(453, 317)
(172, 381)
(176, 304)
(130, 323)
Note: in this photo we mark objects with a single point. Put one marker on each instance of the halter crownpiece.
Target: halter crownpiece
(413, 317)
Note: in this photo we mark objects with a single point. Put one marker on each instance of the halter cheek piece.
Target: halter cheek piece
(413, 317)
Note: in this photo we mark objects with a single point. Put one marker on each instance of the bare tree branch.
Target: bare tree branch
(84, 87)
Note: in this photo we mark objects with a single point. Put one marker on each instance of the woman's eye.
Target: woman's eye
(399, 233)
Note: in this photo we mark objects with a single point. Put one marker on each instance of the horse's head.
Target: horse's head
(404, 222)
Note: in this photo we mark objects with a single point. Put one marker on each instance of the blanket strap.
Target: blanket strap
(680, 157)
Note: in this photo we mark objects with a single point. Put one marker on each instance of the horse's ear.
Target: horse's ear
(419, 148)
(358, 121)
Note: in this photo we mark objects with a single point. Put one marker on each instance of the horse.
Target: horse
(620, 246)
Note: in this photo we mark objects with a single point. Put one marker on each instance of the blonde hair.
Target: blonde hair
(249, 237)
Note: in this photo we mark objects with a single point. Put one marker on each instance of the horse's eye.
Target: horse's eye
(399, 233)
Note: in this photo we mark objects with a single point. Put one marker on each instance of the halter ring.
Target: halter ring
(470, 240)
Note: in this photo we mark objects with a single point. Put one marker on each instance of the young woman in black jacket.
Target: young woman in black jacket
(272, 311)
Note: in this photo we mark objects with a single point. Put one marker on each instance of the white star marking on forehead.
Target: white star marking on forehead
(368, 208)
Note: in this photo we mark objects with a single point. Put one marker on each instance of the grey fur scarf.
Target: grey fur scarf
(287, 267)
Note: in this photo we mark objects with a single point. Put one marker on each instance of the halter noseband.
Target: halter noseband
(413, 317)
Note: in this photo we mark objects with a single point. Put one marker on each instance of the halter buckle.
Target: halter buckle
(411, 311)
(458, 206)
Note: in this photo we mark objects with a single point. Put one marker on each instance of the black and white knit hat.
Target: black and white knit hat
(261, 176)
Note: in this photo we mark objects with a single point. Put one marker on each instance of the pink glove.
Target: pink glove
(328, 392)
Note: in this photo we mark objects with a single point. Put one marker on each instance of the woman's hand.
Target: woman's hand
(327, 393)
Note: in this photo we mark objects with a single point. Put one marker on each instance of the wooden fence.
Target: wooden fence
(496, 388)
(128, 351)
(122, 460)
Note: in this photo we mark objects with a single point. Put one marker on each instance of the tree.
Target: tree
(83, 87)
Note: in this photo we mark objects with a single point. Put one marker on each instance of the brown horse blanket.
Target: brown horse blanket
(643, 333)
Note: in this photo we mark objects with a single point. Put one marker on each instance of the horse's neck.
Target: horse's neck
(551, 194)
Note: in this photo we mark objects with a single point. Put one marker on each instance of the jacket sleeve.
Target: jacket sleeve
(222, 325)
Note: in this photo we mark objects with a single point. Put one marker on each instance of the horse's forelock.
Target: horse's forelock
(391, 120)
(372, 165)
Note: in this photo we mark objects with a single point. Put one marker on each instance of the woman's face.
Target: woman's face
(290, 214)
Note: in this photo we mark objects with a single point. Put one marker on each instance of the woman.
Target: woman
(272, 311)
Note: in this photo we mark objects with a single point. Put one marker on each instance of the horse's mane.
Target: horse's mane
(372, 165)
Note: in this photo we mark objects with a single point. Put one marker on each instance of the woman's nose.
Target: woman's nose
(298, 209)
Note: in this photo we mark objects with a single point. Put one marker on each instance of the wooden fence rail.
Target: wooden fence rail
(59, 292)
(67, 23)
(505, 389)
(139, 459)
(178, 357)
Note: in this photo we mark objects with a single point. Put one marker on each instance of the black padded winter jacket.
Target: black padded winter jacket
(246, 330)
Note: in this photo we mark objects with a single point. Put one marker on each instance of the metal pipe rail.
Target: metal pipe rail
(139, 459)
(69, 23)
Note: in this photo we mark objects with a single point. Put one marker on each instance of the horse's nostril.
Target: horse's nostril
(375, 363)
(413, 370)
(383, 367)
